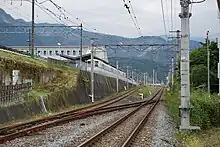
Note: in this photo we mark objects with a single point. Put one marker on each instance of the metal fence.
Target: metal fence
(12, 94)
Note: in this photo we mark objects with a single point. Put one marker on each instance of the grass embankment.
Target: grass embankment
(147, 91)
(204, 114)
(60, 76)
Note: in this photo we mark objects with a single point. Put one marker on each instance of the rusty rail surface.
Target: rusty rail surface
(93, 139)
(12, 132)
(71, 112)
(139, 127)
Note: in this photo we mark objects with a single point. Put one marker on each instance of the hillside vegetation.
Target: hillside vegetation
(47, 77)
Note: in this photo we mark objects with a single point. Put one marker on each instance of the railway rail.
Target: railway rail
(114, 125)
(119, 97)
(11, 132)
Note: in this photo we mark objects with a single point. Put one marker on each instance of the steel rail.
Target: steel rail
(27, 131)
(39, 127)
(94, 138)
(139, 127)
(71, 112)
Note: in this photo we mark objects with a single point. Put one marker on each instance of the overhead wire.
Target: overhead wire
(164, 20)
(133, 18)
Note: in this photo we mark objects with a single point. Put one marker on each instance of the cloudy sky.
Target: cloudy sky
(110, 16)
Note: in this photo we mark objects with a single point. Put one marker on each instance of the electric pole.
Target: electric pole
(92, 69)
(127, 76)
(32, 38)
(172, 71)
(218, 3)
(208, 61)
(117, 76)
(146, 78)
(81, 44)
(153, 78)
(184, 67)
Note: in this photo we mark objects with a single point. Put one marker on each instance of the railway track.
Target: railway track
(107, 136)
(14, 131)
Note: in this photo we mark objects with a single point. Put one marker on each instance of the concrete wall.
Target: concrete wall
(64, 98)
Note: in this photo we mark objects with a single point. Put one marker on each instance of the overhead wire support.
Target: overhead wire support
(163, 15)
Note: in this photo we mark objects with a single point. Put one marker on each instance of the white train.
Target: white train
(107, 67)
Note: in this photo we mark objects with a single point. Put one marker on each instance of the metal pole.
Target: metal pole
(144, 80)
(92, 70)
(132, 75)
(29, 41)
(153, 77)
(81, 44)
(117, 75)
(172, 72)
(178, 50)
(208, 61)
(127, 76)
(219, 59)
(218, 3)
(32, 40)
(184, 67)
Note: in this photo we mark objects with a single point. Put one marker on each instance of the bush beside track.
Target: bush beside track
(205, 113)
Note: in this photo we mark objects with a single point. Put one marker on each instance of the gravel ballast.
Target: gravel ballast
(72, 133)
(117, 136)
(159, 130)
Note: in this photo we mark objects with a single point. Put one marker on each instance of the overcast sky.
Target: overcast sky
(110, 16)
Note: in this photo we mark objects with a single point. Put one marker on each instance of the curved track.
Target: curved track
(97, 140)
(14, 131)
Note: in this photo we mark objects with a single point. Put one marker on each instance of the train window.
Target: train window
(62, 52)
(38, 52)
(96, 63)
(50, 53)
(45, 52)
(68, 52)
(74, 52)
(56, 52)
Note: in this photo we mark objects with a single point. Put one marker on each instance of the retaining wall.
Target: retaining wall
(64, 98)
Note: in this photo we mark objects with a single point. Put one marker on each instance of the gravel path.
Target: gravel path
(117, 136)
(72, 133)
(165, 129)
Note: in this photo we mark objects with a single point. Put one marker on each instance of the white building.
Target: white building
(74, 51)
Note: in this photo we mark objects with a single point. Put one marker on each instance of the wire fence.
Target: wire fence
(12, 94)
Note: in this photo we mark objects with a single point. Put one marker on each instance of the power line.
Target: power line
(171, 18)
(134, 20)
(135, 17)
(164, 21)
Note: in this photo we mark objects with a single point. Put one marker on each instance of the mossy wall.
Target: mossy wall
(65, 97)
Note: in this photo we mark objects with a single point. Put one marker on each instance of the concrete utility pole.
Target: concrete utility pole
(208, 61)
(117, 76)
(81, 44)
(146, 78)
(127, 76)
(32, 38)
(153, 77)
(178, 47)
(218, 3)
(184, 71)
(92, 70)
(172, 71)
